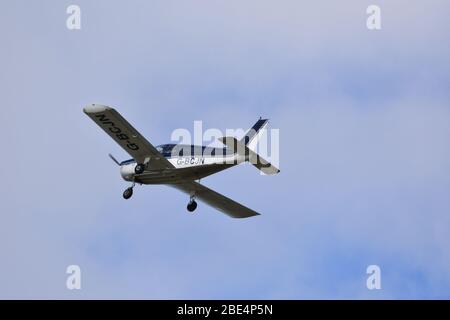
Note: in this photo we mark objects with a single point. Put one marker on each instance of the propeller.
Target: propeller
(114, 159)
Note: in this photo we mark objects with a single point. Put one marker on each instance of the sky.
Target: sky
(364, 122)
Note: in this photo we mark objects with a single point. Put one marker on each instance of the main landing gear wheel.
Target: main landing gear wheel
(139, 168)
(128, 193)
(192, 205)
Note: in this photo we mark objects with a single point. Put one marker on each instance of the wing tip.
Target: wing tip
(256, 214)
(95, 108)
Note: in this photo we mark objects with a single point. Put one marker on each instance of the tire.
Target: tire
(192, 206)
(128, 193)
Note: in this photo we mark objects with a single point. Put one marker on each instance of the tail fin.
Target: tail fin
(255, 159)
(251, 137)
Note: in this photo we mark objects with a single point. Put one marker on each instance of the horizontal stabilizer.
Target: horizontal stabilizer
(255, 159)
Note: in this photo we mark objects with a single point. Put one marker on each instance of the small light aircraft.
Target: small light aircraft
(179, 165)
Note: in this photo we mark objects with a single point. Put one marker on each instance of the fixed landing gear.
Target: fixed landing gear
(139, 168)
(128, 192)
(192, 205)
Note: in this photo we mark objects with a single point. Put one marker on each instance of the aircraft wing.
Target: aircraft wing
(216, 200)
(126, 136)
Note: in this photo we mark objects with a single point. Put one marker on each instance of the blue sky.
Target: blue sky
(364, 123)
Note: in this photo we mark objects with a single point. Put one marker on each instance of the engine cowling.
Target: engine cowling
(127, 171)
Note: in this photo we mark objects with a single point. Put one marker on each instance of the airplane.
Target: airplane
(179, 165)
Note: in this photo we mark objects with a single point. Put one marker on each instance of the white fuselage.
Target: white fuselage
(186, 168)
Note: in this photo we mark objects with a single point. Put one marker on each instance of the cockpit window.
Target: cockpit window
(165, 149)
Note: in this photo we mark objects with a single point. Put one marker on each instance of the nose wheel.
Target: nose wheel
(128, 192)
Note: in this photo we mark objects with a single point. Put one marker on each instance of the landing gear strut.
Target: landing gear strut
(128, 192)
(192, 205)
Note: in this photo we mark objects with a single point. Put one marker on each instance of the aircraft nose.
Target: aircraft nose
(127, 172)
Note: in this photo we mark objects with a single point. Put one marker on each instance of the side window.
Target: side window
(168, 150)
